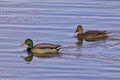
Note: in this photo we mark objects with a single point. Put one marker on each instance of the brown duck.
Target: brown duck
(91, 35)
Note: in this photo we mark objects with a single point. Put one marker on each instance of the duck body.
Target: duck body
(94, 35)
(90, 35)
(42, 48)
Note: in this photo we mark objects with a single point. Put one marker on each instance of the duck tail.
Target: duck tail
(58, 47)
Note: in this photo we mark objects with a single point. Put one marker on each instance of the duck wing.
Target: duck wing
(47, 45)
(93, 35)
(96, 33)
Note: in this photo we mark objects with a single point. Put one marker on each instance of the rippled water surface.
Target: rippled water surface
(55, 21)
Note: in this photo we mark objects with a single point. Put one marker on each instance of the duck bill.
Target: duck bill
(23, 44)
(23, 57)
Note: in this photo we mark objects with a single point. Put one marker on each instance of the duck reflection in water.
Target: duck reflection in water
(31, 55)
(28, 58)
(79, 41)
(91, 35)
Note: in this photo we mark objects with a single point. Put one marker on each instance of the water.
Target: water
(55, 22)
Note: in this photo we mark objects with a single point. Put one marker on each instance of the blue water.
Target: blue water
(55, 22)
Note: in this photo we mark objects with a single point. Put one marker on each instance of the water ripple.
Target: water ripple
(55, 22)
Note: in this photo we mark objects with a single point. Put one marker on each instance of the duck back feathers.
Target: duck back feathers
(47, 46)
(94, 35)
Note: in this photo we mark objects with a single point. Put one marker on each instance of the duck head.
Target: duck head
(28, 42)
(79, 30)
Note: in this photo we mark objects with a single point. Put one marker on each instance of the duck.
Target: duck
(41, 48)
(91, 35)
